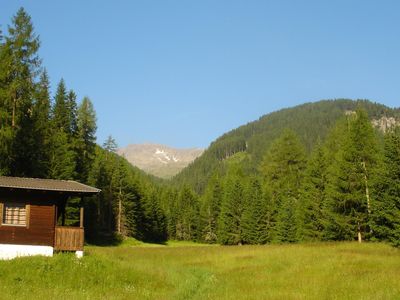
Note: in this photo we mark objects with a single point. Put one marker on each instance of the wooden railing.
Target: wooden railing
(69, 238)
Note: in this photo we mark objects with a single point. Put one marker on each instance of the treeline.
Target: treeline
(347, 188)
(54, 137)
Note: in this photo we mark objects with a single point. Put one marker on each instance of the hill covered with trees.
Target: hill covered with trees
(310, 121)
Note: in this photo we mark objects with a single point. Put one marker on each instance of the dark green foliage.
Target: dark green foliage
(210, 209)
(256, 219)
(22, 68)
(155, 221)
(41, 116)
(312, 199)
(386, 205)
(187, 216)
(350, 176)
(62, 157)
(229, 222)
(60, 109)
(85, 138)
(283, 168)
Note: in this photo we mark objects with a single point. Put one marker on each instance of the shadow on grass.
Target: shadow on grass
(107, 239)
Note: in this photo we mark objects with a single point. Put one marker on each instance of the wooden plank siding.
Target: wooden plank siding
(40, 225)
(40, 230)
(69, 238)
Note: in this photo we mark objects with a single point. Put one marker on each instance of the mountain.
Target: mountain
(311, 121)
(159, 160)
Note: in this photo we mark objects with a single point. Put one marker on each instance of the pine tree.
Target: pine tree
(256, 218)
(312, 204)
(60, 113)
(41, 116)
(110, 144)
(86, 139)
(283, 168)
(229, 221)
(72, 112)
(126, 201)
(6, 129)
(187, 218)
(210, 209)
(386, 205)
(62, 157)
(349, 194)
(156, 223)
(23, 65)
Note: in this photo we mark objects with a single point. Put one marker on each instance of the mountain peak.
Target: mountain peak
(159, 160)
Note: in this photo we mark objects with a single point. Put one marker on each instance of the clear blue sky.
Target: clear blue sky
(184, 72)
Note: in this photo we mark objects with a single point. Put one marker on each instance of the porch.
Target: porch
(70, 238)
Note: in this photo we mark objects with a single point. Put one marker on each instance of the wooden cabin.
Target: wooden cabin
(30, 210)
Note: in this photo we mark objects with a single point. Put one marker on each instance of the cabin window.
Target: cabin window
(14, 214)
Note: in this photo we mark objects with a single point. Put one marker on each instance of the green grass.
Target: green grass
(190, 271)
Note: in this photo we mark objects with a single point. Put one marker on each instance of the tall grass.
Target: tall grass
(309, 271)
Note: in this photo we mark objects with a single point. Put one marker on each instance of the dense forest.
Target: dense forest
(317, 172)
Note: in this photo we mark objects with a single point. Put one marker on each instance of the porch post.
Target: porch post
(81, 218)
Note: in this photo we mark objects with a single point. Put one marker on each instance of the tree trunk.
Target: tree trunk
(13, 112)
(366, 188)
(119, 211)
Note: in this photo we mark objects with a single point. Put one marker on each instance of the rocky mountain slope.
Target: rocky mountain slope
(159, 160)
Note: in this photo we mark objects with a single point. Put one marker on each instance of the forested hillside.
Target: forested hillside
(346, 188)
(310, 121)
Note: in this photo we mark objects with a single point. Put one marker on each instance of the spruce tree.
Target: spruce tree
(349, 194)
(72, 112)
(210, 209)
(60, 113)
(256, 218)
(312, 202)
(6, 129)
(187, 219)
(156, 223)
(229, 221)
(23, 65)
(386, 205)
(110, 144)
(283, 168)
(41, 116)
(62, 157)
(86, 139)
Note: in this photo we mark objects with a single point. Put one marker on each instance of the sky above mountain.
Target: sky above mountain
(184, 72)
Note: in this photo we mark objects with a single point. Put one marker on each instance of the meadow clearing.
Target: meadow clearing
(192, 271)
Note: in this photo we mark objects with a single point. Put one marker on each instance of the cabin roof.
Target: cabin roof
(67, 186)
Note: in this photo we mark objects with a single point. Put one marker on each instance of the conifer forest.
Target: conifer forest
(320, 171)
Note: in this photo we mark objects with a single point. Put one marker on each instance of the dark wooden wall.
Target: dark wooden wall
(41, 225)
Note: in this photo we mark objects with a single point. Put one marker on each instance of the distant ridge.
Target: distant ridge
(159, 160)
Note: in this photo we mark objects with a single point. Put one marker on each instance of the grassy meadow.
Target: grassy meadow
(191, 271)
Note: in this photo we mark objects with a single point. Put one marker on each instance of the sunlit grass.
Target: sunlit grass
(189, 271)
